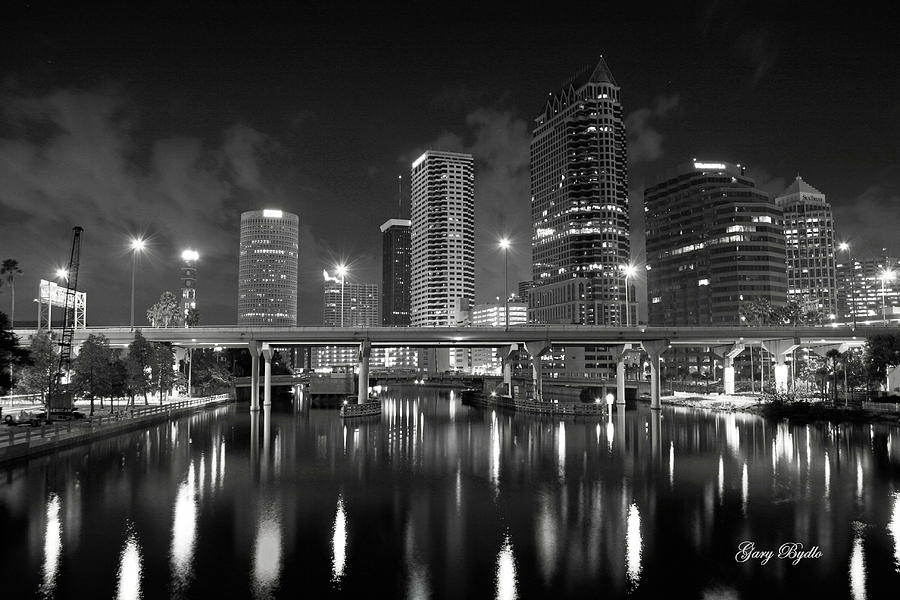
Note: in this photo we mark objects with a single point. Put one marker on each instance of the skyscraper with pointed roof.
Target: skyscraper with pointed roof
(579, 203)
(809, 237)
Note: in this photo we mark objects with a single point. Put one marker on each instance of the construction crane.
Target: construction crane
(60, 398)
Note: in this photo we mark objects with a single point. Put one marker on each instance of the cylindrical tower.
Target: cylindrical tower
(188, 285)
(267, 277)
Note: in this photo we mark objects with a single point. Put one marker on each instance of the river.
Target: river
(437, 499)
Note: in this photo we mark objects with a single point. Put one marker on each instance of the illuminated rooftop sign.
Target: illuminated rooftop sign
(274, 214)
(709, 166)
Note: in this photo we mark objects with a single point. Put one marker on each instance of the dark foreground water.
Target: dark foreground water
(436, 499)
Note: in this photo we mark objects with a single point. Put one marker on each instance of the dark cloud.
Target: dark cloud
(72, 158)
(645, 143)
(869, 221)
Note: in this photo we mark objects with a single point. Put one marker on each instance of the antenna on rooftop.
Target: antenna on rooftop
(400, 196)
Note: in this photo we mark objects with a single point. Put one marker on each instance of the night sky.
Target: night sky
(171, 122)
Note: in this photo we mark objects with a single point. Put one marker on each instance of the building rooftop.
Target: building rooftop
(799, 186)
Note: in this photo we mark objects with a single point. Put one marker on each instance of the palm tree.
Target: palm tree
(10, 268)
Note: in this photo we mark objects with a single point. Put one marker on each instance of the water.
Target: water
(437, 499)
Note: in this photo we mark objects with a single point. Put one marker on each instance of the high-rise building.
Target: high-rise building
(579, 203)
(442, 236)
(484, 360)
(188, 284)
(869, 290)
(714, 242)
(267, 275)
(395, 273)
(356, 305)
(809, 237)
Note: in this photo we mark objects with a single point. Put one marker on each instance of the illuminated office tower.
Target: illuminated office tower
(809, 237)
(579, 204)
(869, 289)
(267, 275)
(357, 305)
(484, 360)
(395, 273)
(188, 284)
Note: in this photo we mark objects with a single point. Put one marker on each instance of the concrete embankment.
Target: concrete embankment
(24, 442)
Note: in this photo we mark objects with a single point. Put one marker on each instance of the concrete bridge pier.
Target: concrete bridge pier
(654, 349)
(779, 348)
(728, 354)
(254, 376)
(267, 353)
(537, 350)
(505, 353)
(618, 352)
(365, 350)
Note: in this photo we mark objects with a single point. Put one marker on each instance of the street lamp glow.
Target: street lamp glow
(504, 243)
(138, 244)
(843, 246)
(62, 274)
(630, 270)
(888, 275)
(341, 270)
(190, 255)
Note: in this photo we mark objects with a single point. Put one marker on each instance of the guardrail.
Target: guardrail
(22, 439)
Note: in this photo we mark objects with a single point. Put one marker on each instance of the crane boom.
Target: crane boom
(60, 397)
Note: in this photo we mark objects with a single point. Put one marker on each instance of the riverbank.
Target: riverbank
(24, 442)
(800, 412)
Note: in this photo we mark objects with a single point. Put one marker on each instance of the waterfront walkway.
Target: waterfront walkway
(22, 441)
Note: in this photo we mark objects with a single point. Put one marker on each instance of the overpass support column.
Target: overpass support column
(267, 383)
(727, 354)
(779, 348)
(505, 353)
(254, 375)
(365, 350)
(537, 350)
(654, 349)
(618, 353)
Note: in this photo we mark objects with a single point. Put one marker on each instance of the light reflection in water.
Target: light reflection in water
(52, 547)
(339, 542)
(561, 451)
(129, 578)
(267, 554)
(671, 463)
(494, 467)
(827, 474)
(222, 464)
(418, 586)
(745, 488)
(547, 536)
(610, 433)
(859, 478)
(184, 530)
(721, 479)
(858, 566)
(732, 434)
(633, 544)
(506, 572)
(894, 530)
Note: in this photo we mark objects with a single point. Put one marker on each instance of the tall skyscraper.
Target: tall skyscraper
(267, 275)
(395, 273)
(188, 284)
(869, 290)
(714, 242)
(442, 237)
(809, 236)
(579, 203)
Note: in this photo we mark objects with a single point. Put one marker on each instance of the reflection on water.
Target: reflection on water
(130, 569)
(52, 547)
(506, 572)
(446, 500)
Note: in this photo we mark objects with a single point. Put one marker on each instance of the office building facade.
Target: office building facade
(809, 239)
(358, 305)
(442, 237)
(395, 273)
(579, 204)
(714, 242)
(267, 273)
(869, 290)
(484, 360)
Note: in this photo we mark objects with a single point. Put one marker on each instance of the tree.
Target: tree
(210, 372)
(162, 371)
(93, 368)
(140, 357)
(36, 377)
(11, 355)
(833, 356)
(759, 312)
(192, 319)
(166, 312)
(119, 387)
(882, 352)
(10, 268)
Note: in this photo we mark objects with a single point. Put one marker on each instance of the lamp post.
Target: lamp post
(504, 245)
(137, 245)
(886, 275)
(629, 270)
(342, 271)
(844, 246)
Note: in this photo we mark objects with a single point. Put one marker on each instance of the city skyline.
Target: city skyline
(117, 147)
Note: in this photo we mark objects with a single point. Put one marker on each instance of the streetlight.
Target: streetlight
(504, 245)
(845, 247)
(137, 244)
(886, 275)
(630, 271)
(62, 274)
